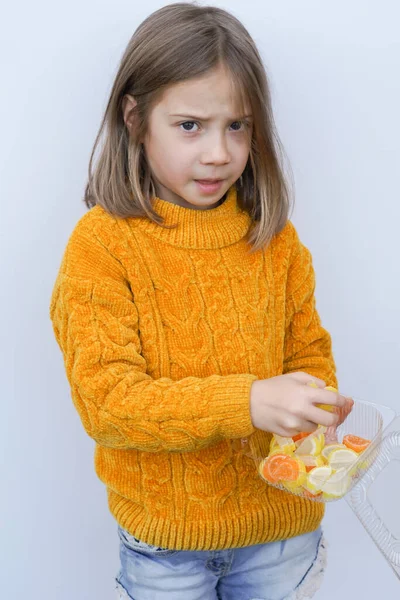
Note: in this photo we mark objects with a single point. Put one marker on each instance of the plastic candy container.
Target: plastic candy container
(359, 459)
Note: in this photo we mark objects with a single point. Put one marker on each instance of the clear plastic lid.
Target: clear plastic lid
(375, 497)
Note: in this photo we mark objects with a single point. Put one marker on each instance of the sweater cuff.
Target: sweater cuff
(232, 406)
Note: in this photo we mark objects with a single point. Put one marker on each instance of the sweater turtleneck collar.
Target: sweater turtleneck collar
(216, 227)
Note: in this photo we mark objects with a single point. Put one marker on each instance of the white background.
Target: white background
(334, 71)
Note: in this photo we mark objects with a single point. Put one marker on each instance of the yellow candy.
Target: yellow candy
(330, 448)
(316, 478)
(313, 444)
(337, 485)
(285, 444)
(313, 461)
(328, 407)
(342, 458)
(329, 388)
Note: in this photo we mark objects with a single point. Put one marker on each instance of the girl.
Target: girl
(184, 307)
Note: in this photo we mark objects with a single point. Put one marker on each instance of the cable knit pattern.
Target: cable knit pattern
(163, 332)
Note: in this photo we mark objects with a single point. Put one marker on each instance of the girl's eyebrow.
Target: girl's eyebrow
(199, 118)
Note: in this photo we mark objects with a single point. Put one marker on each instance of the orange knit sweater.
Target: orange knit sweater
(163, 332)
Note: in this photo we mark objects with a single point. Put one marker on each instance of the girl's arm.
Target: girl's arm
(95, 322)
(308, 345)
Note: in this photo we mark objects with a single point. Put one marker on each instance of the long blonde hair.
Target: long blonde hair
(178, 42)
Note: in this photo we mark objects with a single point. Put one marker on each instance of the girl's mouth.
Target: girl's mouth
(209, 186)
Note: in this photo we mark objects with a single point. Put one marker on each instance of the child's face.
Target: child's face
(195, 134)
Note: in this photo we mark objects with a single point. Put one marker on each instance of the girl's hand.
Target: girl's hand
(285, 405)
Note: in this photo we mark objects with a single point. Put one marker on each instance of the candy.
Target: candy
(330, 448)
(309, 466)
(358, 444)
(313, 444)
(279, 468)
(336, 486)
(317, 477)
(339, 459)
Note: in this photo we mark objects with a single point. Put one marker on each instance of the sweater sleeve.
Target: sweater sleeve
(95, 322)
(308, 345)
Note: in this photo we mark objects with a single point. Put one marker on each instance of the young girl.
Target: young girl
(185, 310)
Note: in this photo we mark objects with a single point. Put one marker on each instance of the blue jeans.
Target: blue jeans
(288, 570)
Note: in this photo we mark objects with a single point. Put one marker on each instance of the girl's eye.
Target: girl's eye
(188, 123)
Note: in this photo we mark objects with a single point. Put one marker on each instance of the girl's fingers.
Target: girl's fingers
(327, 397)
(322, 417)
(302, 377)
(345, 410)
(308, 426)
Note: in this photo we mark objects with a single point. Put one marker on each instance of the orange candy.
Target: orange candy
(308, 494)
(358, 444)
(280, 467)
(300, 436)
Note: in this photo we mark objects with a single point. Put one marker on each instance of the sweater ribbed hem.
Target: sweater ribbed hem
(271, 523)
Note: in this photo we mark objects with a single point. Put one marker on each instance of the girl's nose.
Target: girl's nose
(217, 152)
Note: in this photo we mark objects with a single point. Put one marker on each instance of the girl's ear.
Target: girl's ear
(128, 103)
